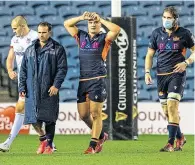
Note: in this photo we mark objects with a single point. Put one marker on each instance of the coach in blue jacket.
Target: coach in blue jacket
(43, 70)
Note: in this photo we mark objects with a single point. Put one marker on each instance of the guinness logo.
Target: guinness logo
(120, 116)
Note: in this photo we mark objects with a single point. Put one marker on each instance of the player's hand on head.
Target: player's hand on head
(12, 75)
(95, 16)
(148, 79)
(180, 67)
(86, 15)
(53, 91)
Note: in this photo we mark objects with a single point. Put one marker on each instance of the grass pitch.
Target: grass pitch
(144, 151)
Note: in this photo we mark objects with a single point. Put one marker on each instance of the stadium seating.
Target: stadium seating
(42, 11)
(68, 95)
(149, 16)
(11, 4)
(5, 11)
(57, 4)
(22, 10)
(35, 4)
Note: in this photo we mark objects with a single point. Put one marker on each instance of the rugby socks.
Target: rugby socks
(179, 134)
(101, 135)
(42, 138)
(18, 122)
(93, 143)
(172, 133)
(50, 131)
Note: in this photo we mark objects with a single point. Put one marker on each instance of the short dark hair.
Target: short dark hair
(172, 10)
(47, 24)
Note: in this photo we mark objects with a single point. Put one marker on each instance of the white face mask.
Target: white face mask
(168, 24)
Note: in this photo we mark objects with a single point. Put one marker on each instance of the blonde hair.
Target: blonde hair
(20, 21)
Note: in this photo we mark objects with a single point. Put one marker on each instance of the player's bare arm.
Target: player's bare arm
(70, 23)
(148, 65)
(181, 67)
(114, 29)
(10, 64)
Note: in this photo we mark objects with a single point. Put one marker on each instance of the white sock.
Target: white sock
(18, 122)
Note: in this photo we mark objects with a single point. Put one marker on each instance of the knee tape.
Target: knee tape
(174, 96)
(173, 114)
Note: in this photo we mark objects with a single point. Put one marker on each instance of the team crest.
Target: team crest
(175, 38)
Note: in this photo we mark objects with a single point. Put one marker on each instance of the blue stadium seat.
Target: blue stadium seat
(150, 4)
(183, 11)
(58, 4)
(75, 83)
(4, 52)
(140, 73)
(73, 51)
(102, 4)
(154, 95)
(43, 11)
(66, 85)
(2, 3)
(80, 4)
(190, 27)
(82, 26)
(172, 3)
(72, 74)
(82, 9)
(134, 11)
(32, 20)
(68, 41)
(140, 84)
(24, 10)
(155, 10)
(143, 22)
(35, 4)
(190, 84)
(105, 11)
(142, 41)
(187, 20)
(190, 72)
(11, 4)
(5, 11)
(5, 21)
(188, 95)
(147, 31)
(68, 12)
(142, 52)
(127, 4)
(68, 95)
(143, 95)
(4, 42)
(59, 31)
(72, 62)
(54, 20)
(140, 62)
(3, 32)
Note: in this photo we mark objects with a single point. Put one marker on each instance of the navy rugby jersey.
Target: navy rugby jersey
(171, 49)
(92, 54)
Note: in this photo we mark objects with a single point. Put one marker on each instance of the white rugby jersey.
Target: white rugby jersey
(20, 44)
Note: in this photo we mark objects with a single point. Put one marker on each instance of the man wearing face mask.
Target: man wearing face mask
(170, 42)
